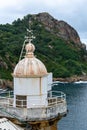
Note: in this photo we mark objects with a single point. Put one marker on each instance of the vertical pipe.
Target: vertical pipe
(40, 87)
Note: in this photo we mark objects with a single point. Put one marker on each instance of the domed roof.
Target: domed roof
(30, 66)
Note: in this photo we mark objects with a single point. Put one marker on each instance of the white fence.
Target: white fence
(56, 105)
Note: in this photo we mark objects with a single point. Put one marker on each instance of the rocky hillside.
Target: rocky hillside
(57, 44)
(59, 28)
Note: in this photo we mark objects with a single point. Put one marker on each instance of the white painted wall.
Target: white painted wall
(26, 86)
(34, 88)
(36, 101)
(49, 81)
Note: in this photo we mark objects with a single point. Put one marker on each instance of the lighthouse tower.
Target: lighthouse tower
(33, 101)
(31, 84)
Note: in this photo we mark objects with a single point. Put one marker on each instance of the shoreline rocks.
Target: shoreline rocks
(71, 79)
(5, 83)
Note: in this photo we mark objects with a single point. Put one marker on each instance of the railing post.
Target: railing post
(8, 102)
(22, 103)
(9, 94)
(56, 100)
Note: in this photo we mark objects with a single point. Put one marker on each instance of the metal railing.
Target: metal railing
(7, 94)
(56, 103)
(54, 98)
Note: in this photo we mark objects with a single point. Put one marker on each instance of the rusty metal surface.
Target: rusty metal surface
(30, 66)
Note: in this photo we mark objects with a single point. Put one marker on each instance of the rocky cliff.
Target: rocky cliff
(59, 28)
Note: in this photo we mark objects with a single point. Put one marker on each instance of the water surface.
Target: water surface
(76, 118)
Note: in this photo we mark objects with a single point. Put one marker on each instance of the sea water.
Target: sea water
(76, 96)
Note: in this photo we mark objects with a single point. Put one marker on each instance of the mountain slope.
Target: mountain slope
(57, 44)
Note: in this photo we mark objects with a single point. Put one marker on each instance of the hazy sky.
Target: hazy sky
(71, 11)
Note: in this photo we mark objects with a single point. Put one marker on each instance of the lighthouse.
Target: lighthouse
(30, 81)
(33, 101)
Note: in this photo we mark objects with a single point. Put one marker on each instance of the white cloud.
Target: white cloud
(61, 5)
(71, 11)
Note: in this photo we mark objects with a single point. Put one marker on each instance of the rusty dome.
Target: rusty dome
(30, 66)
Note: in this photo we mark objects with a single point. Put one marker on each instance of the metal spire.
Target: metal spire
(29, 36)
(28, 39)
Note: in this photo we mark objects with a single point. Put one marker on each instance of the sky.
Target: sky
(71, 11)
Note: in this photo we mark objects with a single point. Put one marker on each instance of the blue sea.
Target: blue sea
(76, 94)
